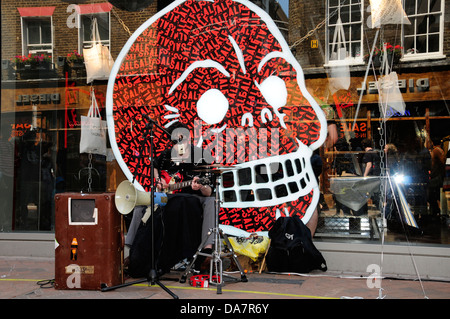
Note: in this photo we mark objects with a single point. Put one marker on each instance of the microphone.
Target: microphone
(148, 118)
(151, 121)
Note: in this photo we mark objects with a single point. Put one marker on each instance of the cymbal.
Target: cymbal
(215, 166)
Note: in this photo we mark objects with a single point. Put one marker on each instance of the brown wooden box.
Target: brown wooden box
(93, 221)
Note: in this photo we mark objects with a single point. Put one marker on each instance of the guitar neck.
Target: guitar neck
(179, 185)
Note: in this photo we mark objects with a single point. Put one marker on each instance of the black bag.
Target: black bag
(291, 248)
(141, 250)
(177, 235)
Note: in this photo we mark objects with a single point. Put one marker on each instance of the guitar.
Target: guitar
(175, 183)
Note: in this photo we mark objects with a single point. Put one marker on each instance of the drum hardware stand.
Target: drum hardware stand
(216, 262)
(153, 276)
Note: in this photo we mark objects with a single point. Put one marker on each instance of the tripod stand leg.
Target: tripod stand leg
(166, 289)
(105, 288)
(198, 252)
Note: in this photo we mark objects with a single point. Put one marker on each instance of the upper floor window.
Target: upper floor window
(87, 13)
(344, 31)
(424, 36)
(37, 31)
(37, 35)
(86, 35)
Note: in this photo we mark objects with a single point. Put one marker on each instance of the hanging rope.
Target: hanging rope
(124, 26)
(319, 26)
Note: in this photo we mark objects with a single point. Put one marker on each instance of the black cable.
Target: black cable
(47, 283)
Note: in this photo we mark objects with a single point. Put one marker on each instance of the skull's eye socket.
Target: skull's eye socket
(274, 91)
(212, 106)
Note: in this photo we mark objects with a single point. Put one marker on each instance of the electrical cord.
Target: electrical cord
(47, 283)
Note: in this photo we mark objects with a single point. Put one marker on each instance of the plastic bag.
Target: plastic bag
(98, 60)
(93, 130)
(252, 247)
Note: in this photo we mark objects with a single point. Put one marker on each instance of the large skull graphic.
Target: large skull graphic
(221, 66)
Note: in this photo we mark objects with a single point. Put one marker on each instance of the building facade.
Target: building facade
(45, 93)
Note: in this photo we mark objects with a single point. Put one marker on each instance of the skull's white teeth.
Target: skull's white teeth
(269, 181)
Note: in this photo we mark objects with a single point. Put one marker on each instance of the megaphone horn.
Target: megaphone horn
(127, 197)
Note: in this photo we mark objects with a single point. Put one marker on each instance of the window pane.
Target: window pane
(408, 43)
(422, 6)
(356, 49)
(434, 23)
(435, 6)
(356, 13)
(34, 33)
(433, 43)
(346, 33)
(422, 23)
(333, 20)
(422, 44)
(410, 7)
(86, 28)
(334, 3)
(345, 14)
(356, 32)
(46, 30)
(102, 23)
(103, 26)
(409, 28)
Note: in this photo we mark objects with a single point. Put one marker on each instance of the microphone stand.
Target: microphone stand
(153, 276)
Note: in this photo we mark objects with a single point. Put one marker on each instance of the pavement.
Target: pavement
(32, 277)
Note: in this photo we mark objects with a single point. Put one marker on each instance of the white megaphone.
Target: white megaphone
(127, 197)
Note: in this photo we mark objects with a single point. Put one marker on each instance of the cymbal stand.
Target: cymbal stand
(216, 266)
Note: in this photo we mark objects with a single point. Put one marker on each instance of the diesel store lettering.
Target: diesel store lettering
(38, 98)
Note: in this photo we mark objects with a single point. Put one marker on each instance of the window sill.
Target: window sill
(424, 57)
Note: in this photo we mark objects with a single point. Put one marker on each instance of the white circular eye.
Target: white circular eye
(274, 91)
(212, 106)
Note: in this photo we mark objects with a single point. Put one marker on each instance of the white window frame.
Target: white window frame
(408, 56)
(24, 33)
(349, 60)
(81, 40)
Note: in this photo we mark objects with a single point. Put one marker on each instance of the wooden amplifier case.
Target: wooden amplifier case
(89, 241)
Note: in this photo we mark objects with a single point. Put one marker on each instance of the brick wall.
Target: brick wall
(65, 38)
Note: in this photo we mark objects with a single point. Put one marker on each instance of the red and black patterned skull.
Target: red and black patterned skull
(218, 67)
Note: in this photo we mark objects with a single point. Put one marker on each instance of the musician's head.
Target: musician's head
(181, 139)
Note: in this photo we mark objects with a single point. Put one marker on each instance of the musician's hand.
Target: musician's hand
(195, 184)
(205, 189)
(161, 185)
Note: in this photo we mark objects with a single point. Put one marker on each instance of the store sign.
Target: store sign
(45, 98)
(221, 67)
(19, 129)
(359, 129)
(411, 85)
